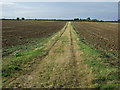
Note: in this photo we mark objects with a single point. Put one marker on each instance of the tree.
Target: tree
(23, 18)
(88, 19)
(18, 18)
(101, 21)
(119, 20)
(76, 19)
(95, 20)
(3, 18)
(80, 19)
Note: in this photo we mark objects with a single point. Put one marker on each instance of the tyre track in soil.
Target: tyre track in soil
(62, 67)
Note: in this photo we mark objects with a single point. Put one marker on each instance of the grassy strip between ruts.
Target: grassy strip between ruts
(106, 76)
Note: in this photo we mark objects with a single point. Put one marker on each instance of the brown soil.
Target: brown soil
(103, 36)
(16, 32)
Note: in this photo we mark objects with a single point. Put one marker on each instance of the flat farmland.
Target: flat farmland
(103, 36)
(64, 57)
(16, 32)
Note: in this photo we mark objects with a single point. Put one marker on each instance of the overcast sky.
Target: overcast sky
(62, 10)
(60, 0)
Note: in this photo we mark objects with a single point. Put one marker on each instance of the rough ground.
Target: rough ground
(102, 36)
(62, 67)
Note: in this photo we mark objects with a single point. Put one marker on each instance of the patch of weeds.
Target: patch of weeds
(10, 69)
(14, 67)
(82, 39)
(20, 59)
(6, 73)
(18, 54)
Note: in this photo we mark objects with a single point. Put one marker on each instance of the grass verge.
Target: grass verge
(106, 76)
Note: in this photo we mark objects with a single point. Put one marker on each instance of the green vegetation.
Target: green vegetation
(22, 54)
(106, 76)
(32, 43)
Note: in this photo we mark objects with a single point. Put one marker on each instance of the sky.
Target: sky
(60, 0)
(61, 10)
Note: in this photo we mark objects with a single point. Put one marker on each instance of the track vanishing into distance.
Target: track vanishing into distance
(61, 67)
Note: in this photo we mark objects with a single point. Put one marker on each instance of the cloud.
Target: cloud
(22, 10)
(60, 10)
(7, 3)
(60, 0)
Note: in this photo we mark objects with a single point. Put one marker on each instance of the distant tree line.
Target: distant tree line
(87, 19)
(93, 20)
(14, 19)
(75, 19)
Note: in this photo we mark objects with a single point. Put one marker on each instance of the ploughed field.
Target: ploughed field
(103, 36)
(17, 32)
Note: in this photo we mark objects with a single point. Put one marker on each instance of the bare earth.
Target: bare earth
(62, 67)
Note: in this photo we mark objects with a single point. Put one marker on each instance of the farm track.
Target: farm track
(62, 66)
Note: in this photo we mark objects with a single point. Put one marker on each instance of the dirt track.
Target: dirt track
(62, 67)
